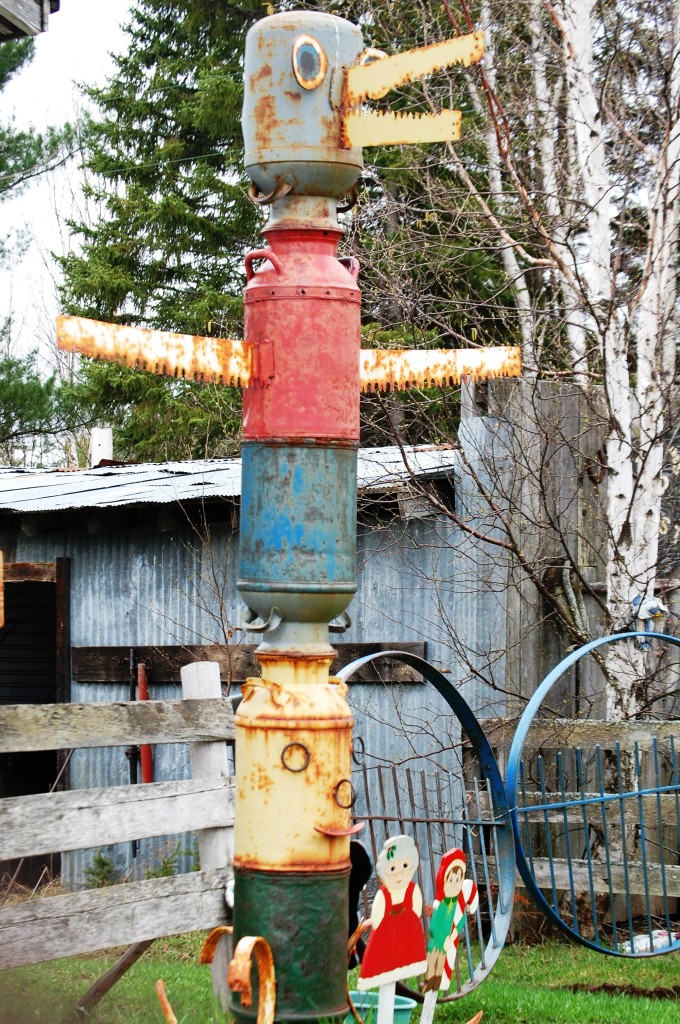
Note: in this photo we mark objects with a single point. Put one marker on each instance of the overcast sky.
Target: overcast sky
(74, 50)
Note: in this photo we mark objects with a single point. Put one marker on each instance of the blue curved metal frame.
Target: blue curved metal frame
(492, 775)
(512, 784)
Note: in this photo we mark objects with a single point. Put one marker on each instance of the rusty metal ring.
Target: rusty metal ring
(285, 184)
(358, 750)
(302, 747)
(352, 200)
(353, 796)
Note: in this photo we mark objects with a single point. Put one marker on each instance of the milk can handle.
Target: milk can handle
(352, 264)
(262, 254)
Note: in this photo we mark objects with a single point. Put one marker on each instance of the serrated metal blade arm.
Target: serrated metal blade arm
(398, 369)
(375, 128)
(173, 355)
(374, 80)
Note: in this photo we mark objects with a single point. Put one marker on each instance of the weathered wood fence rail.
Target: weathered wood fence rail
(584, 816)
(58, 926)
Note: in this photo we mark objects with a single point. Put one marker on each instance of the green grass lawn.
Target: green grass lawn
(530, 985)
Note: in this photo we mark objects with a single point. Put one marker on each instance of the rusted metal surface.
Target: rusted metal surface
(166, 1008)
(374, 78)
(291, 106)
(297, 545)
(305, 919)
(175, 355)
(294, 795)
(239, 976)
(312, 388)
(304, 304)
(383, 128)
(404, 368)
(210, 945)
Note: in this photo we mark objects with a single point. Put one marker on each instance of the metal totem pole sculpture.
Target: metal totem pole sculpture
(308, 78)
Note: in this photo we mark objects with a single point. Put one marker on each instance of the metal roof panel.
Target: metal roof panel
(52, 490)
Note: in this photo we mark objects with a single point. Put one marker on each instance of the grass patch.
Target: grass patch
(48, 992)
(529, 985)
(534, 985)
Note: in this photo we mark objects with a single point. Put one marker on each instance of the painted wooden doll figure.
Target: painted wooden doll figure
(454, 897)
(396, 947)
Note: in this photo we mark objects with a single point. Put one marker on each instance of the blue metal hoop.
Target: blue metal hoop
(492, 776)
(512, 784)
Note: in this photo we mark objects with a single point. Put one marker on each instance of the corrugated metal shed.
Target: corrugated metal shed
(141, 578)
(29, 490)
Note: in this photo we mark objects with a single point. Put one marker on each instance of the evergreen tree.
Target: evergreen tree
(24, 153)
(164, 156)
(28, 410)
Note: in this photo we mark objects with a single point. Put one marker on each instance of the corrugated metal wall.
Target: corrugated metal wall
(418, 580)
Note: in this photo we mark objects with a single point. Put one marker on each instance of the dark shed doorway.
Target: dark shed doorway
(34, 669)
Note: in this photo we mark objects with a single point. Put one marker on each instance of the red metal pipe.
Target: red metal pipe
(145, 752)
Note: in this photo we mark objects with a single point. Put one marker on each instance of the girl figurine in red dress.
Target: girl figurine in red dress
(396, 947)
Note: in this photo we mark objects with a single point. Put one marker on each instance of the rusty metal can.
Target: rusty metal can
(304, 917)
(293, 77)
(298, 530)
(303, 316)
(293, 750)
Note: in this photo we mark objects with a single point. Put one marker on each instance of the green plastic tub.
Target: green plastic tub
(367, 1007)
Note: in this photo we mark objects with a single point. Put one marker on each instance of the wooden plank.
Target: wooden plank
(26, 14)
(106, 982)
(82, 818)
(563, 733)
(636, 877)
(201, 681)
(237, 663)
(30, 572)
(47, 929)
(111, 664)
(64, 726)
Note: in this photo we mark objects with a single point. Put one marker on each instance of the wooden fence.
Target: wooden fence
(81, 922)
(596, 840)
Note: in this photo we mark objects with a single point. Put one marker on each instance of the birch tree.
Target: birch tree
(570, 164)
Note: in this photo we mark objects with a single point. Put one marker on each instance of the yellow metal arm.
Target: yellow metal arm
(399, 369)
(235, 362)
(373, 80)
(375, 128)
(172, 355)
(379, 74)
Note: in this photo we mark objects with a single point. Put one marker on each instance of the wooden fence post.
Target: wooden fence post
(215, 845)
